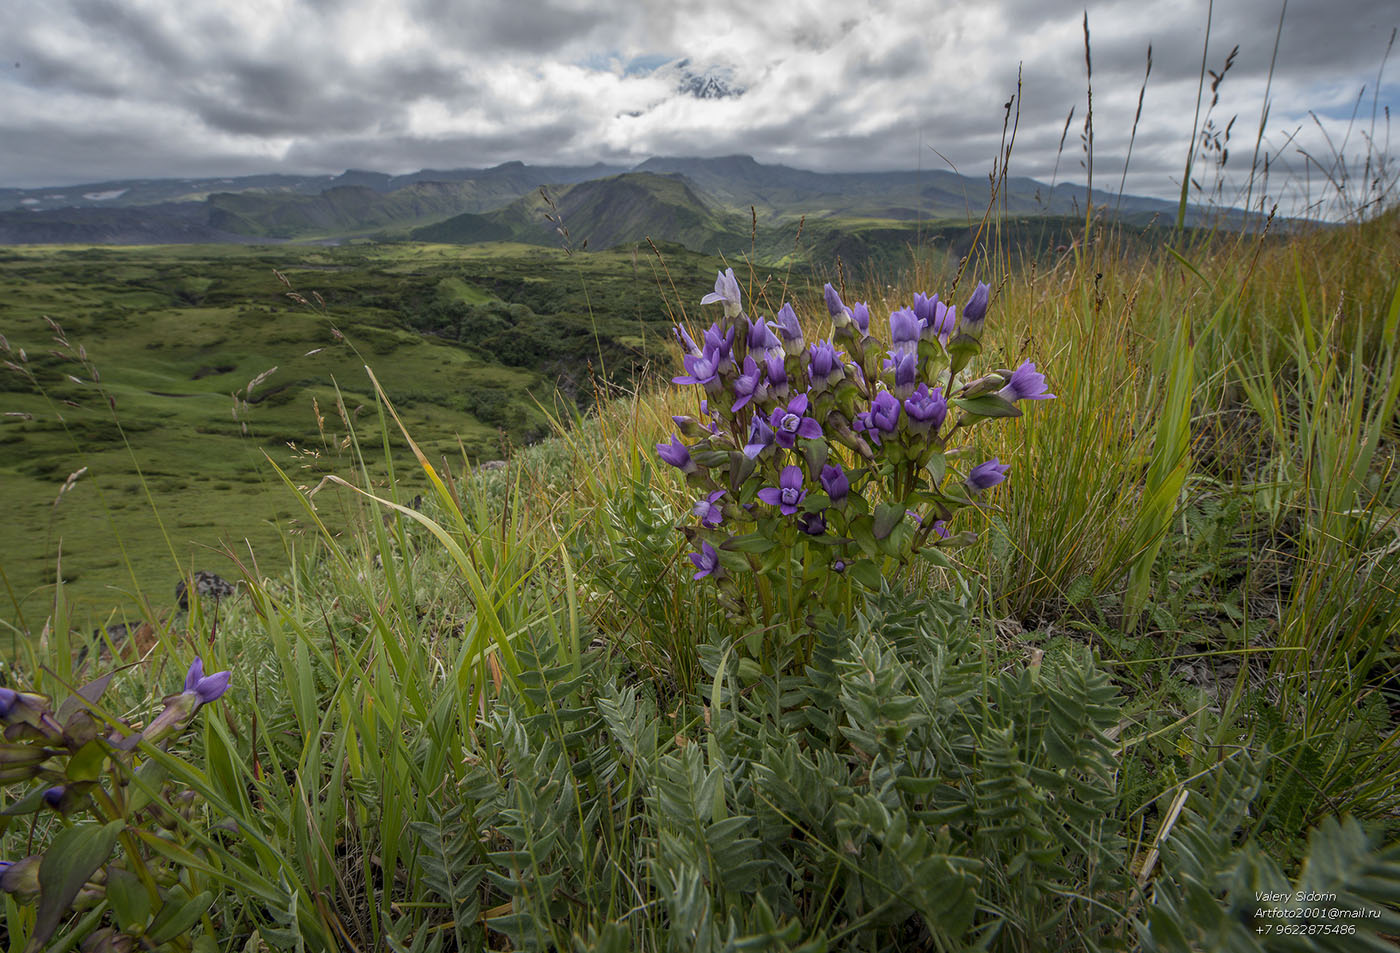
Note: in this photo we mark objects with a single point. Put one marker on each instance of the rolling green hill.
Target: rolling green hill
(604, 213)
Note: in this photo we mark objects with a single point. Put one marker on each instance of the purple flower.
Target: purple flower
(906, 371)
(207, 687)
(760, 437)
(53, 796)
(987, 475)
(840, 314)
(747, 382)
(926, 410)
(790, 329)
(777, 375)
(813, 524)
(762, 338)
(677, 455)
(974, 313)
(936, 319)
(727, 292)
(8, 697)
(884, 412)
(940, 528)
(687, 342)
(882, 417)
(702, 369)
(788, 494)
(860, 314)
(709, 510)
(923, 307)
(791, 422)
(706, 561)
(835, 482)
(838, 566)
(824, 367)
(1026, 384)
(718, 344)
(904, 330)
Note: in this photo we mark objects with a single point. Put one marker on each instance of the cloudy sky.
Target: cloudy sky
(92, 90)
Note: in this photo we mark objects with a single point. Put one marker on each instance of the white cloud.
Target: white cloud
(102, 89)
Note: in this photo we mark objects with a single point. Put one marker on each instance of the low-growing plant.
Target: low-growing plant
(109, 787)
(826, 465)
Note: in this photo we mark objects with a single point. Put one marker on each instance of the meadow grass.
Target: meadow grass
(1160, 681)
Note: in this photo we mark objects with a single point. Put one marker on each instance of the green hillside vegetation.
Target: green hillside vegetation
(604, 213)
(1147, 702)
(469, 342)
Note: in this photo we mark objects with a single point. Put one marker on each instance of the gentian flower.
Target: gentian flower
(788, 494)
(904, 331)
(761, 437)
(923, 307)
(762, 338)
(835, 482)
(777, 376)
(709, 510)
(824, 367)
(882, 417)
(860, 314)
(936, 319)
(702, 369)
(53, 796)
(840, 314)
(926, 410)
(747, 382)
(884, 412)
(906, 371)
(207, 687)
(813, 524)
(974, 313)
(687, 425)
(726, 292)
(790, 329)
(687, 342)
(677, 455)
(987, 475)
(706, 561)
(791, 422)
(719, 344)
(1026, 384)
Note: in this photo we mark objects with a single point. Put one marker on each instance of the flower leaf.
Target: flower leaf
(129, 900)
(183, 919)
(73, 856)
(748, 543)
(937, 467)
(887, 517)
(866, 573)
(86, 763)
(988, 405)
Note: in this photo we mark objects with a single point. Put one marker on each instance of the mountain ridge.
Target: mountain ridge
(710, 207)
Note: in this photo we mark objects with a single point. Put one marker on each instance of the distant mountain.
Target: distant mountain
(603, 212)
(509, 179)
(702, 203)
(782, 191)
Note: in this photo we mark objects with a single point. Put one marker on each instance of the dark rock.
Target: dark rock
(205, 584)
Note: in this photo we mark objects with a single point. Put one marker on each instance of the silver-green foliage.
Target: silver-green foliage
(895, 795)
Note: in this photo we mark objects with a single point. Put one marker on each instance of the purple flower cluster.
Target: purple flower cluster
(804, 442)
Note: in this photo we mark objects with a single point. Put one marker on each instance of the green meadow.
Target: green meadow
(142, 380)
(1144, 698)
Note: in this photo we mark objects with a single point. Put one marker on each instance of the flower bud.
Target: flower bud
(21, 878)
